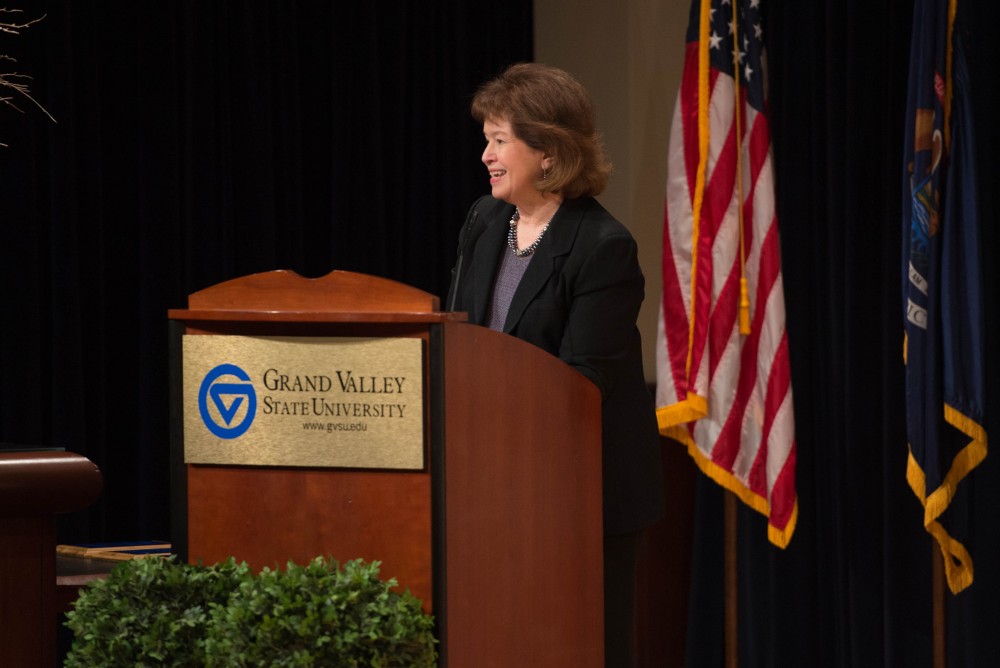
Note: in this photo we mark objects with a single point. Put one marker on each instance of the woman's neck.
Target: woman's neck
(538, 213)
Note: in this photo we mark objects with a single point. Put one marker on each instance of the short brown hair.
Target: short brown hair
(550, 111)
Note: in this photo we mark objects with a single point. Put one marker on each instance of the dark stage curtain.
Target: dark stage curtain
(200, 141)
(854, 586)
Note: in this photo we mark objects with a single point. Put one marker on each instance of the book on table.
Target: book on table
(116, 551)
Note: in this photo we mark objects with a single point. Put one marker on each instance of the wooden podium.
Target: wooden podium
(35, 486)
(500, 531)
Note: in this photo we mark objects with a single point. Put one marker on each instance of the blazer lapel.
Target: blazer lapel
(559, 241)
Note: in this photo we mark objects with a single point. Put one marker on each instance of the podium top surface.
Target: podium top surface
(43, 482)
(340, 296)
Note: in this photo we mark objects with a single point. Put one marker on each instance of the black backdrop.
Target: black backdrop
(199, 141)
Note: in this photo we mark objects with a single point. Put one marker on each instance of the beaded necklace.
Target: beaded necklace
(512, 236)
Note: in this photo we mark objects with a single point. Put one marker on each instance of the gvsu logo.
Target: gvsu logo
(227, 408)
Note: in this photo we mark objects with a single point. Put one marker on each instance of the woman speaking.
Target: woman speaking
(542, 260)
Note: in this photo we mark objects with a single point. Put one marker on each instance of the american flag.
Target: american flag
(724, 387)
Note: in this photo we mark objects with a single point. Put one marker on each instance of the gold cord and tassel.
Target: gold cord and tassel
(744, 306)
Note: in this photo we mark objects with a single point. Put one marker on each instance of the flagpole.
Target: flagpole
(938, 596)
(730, 582)
(743, 318)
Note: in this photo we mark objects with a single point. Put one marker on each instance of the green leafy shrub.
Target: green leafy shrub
(149, 612)
(321, 615)
(160, 612)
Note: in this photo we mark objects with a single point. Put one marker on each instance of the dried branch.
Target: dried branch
(9, 80)
(16, 28)
(14, 81)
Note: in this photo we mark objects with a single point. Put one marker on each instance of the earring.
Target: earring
(545, 174)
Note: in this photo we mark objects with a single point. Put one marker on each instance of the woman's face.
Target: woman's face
(513, 165)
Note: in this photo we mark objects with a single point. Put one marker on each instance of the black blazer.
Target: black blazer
(578, 300)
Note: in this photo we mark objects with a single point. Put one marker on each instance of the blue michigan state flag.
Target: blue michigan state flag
(942, 283)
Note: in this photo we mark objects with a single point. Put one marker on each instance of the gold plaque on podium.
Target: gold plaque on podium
(303, 401)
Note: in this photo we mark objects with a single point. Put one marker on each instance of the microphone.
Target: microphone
(464, 241)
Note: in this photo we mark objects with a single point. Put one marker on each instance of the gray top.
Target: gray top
(509, 275)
